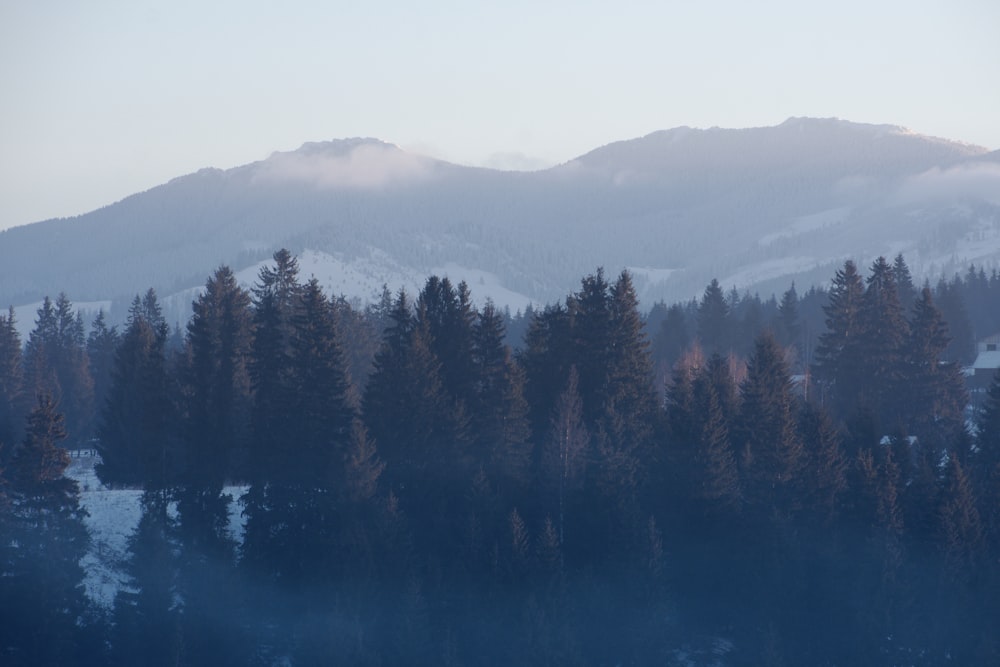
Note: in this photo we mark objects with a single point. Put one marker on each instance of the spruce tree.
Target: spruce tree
(788, 328)
(44, 610)
(56, 364)
(137, 443)
(904, 282)
(713, 320)
(12, 389)
(102, 343)
(217, 400)
(840, 365)
(932, 393)
(147, 609)
(565, 455)
(771, 447)
(884, 334)
(498, 410)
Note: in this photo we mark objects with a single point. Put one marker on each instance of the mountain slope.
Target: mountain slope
(754, 207)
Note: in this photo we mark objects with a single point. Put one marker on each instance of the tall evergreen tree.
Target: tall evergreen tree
(772, 450)
(904, 282)
(840, 363)
(12, 390)
(827, 464)
(932, 393)
(565, 455)
(56, 364)
(44, 611)
(137, 443)
(713, 320)
(102, 343)
(884, 335)
(499, 412)
(147, 610)
(788, 329)
(546, 358)
(216, 416)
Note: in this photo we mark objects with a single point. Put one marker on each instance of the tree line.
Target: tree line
(414, 491)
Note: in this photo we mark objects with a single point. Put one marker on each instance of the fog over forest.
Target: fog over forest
(729, 480)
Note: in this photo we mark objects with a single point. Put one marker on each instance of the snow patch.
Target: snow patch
(769, 270)
(808, 223)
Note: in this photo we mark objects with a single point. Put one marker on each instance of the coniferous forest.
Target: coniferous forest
(423, 481)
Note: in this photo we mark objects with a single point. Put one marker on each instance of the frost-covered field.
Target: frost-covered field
(113, 516)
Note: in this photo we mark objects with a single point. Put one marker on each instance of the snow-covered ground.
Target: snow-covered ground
(113, 516)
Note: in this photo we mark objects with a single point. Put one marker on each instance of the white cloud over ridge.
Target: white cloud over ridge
(978, 180)
(365, 166)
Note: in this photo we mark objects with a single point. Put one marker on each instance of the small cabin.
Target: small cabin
(984, 368)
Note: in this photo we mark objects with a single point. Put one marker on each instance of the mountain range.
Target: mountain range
(756, 208)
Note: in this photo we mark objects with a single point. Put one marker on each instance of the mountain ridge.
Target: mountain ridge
(755, 207)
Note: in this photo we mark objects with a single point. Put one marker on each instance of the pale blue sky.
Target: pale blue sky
(103, 99)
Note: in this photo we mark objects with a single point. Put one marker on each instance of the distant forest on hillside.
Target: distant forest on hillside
(800, 480)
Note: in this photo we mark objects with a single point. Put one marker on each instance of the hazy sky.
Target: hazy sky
(104, 99)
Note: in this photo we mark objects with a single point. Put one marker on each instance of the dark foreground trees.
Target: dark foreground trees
(471, 505)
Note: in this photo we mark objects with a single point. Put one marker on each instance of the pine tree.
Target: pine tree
(713, 320)
(546, 359)
(147, 616)
(137, 443)
(217, 401)
(932, 391)
(12, 390)
(717, 471)
(631, 396)
(498, 410)
(56, 364)
(42, 618)
(826, 461)
(985, 465)
(788, 329)
(565, 455)
(840, 363)
(669, 342)
(592, 346)
(904, 282)
(772, 451)
(276, 300)
(326, 403)
(450, 318)
(102, 342)
(961, 525)
(884, 334)
(363, 466)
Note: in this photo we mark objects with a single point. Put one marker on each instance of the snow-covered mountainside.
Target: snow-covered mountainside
(756, 208)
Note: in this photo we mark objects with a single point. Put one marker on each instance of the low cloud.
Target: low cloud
(978, 180)
(515, 161)
(365, 166)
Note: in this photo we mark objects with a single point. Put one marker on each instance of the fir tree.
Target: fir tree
(904, 282)
(840, 363)
(932, 392)
(772, 451)
(788, 329)
(884, 334)
(565, 455)
(56, 364)
(147, 615)
(713, 320)
(102, 342)
(136, 439)
(499, 412)
(12, 390)
(44, 611)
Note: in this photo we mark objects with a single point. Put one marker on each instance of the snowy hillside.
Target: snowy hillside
(755, 208)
